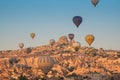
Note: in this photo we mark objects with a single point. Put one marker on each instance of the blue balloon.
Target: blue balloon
(77, 20)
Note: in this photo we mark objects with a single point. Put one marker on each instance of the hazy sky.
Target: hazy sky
(50, 19)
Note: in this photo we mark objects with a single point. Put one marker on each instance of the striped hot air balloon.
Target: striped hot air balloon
(45, 63)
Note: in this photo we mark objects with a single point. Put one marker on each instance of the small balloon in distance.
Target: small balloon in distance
(32, 35)
(95, 2)
(21, 45)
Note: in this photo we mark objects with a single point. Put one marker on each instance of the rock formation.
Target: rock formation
(70, 64)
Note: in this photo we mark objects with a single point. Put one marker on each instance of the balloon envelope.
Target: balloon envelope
(52, 41)
(89, 39)
(91, 51)
(71, 36)
(21, 45)
(32, 35)
(76, 45)
(77, 20)
(94, 2)
(45, 63)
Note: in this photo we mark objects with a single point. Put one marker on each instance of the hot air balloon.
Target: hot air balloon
(76, 45)
(91, 51)
(32, 35)
(77, 20)
(94, 2)
(45, 63)
(89, 39)
(52, 41)
(21, 45)
(71, 36)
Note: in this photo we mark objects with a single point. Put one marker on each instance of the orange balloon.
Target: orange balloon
(89, 39)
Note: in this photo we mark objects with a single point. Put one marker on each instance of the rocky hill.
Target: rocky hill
(71, 62)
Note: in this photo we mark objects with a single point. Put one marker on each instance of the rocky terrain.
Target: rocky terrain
(71, 62)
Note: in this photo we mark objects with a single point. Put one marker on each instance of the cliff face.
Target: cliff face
(68, 61)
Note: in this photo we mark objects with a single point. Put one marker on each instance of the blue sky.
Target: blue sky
(50, 19)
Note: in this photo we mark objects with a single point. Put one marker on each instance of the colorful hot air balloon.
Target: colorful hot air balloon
(32, 35)
(77, 20)
(45, 63)
(91, 51)
(76, 45)
(71, 36)
(89, 39)
(21, 45)
(94, 2)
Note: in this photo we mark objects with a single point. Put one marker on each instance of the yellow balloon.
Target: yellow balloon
(32, 35)
(89, 39)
